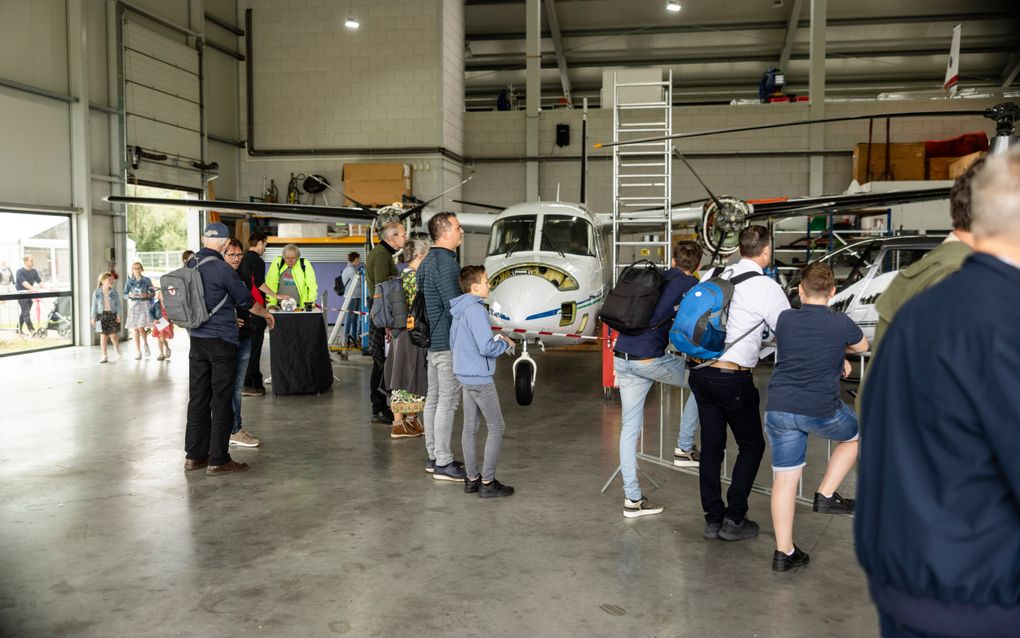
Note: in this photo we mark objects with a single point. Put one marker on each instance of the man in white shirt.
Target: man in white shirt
(725, 389)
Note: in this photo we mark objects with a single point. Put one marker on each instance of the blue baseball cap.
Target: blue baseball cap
(217, 230)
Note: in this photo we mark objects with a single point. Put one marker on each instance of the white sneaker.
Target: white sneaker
(103, 359)
(147, 353)
(120, 355)
(686, 458)
(643, 507)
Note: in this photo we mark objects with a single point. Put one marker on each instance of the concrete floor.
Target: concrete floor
(338, 530)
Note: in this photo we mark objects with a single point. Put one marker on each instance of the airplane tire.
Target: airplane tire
(522, 384)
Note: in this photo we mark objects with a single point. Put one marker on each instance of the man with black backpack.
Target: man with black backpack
(213, 358)
(725, 390)
(641, 360)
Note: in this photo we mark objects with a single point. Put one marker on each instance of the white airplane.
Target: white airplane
(549, 267)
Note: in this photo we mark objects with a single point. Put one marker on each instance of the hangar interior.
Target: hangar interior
(337, 530)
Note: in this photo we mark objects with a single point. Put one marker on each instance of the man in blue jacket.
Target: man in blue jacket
(640, 361)
(439, 281)
(212, 362)
(475, 350)
(938, 500)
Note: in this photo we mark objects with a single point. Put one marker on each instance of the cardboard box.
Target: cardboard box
(938, 167)
(960, 165)
(377, 184)
(906, 162)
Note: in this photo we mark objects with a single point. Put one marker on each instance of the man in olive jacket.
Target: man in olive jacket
(378, 268)
(941, 262)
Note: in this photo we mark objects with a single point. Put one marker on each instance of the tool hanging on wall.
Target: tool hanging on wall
(314, 185)
(293, 192)
(271, 194)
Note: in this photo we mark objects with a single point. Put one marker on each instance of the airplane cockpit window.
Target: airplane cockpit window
(512, 234)
(568, 235)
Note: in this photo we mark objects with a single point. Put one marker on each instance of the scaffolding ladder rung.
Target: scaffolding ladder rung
(661, 83)
(642, 106)
(643, 185)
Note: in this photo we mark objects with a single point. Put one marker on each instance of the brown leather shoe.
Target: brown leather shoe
(195, 464)
(227, 468)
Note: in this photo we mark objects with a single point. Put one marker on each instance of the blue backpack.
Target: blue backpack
(699, 329)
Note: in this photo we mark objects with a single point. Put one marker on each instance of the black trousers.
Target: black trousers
(253, 377)
(727, 398)
(377, 348)
(26, 314)
(212, 365)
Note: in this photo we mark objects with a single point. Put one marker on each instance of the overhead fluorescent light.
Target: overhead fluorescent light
(351, 23)
(673, 6)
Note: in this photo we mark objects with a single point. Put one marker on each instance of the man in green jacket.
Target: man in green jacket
(291, 276)
(938, 264)
(378, 268)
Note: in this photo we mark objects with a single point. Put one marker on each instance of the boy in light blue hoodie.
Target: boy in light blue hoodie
(475, 350)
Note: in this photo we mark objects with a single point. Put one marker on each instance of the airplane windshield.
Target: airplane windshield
(512, 234)
(566, 234)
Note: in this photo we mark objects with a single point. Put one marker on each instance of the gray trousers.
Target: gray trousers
(482, 400)
(441, 402)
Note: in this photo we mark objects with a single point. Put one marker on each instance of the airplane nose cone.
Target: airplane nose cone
(524, 302)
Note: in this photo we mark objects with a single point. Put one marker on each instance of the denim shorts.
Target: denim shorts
(788, 434)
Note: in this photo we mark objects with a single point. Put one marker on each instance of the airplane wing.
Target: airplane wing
(678, 214)
(303, 212)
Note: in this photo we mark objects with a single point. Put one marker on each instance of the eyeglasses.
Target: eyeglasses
(235, 255)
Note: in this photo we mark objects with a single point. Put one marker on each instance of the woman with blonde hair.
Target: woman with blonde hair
(106, 314)
(139, 292)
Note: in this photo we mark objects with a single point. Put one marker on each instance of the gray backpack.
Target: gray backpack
(184, 296)
(389, 308)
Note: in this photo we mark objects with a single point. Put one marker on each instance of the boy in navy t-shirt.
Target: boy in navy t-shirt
(811, 344)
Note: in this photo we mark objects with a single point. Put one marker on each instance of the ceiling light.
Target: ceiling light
(673, 6)
(351, 23)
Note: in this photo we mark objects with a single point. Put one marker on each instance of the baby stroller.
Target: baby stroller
(59, 319)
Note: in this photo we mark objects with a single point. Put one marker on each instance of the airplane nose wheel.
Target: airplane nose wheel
(524, 376)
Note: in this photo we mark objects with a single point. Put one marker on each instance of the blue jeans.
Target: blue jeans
(351, 321)
(243, 354)
(635, 379)
(788, 434)
(688, 425)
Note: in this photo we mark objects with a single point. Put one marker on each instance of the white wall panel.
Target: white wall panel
(99, 143)
(160, 106)
(151, 72)
(155, 136)
(33, 42)
(94, 13)
(221, 94)
(226, 184)
(35, 164)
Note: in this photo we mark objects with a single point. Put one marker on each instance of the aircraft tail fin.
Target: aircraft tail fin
(953, 68)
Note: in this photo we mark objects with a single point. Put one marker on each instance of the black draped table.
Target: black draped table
(299, 354)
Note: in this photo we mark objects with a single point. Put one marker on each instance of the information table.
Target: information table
(298, 354)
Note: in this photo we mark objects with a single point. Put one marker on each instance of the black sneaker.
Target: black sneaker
(640, 507)
(783, 563)
(430, 465)
(835, 504)
(381, 418)
(743, 530)
(712, 531)
(471, 484)
(494, 489)
(452, 471)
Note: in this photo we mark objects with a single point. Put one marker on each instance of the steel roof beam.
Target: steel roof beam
(1012, 68)
(791, 33)
(753, 26)
(561, 59)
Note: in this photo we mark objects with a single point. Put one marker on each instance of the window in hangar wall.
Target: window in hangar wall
(158, 235)
(36, 249)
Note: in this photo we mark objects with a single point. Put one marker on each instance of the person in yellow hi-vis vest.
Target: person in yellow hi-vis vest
(291, 276)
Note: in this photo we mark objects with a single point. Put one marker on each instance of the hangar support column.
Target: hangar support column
(816, 91)
(533, 21)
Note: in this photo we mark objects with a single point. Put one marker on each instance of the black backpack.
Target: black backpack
(418, 328)
(629, 305)
(338, 285)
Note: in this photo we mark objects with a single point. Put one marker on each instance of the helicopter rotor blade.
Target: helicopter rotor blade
(248, 207)
(824, 120)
